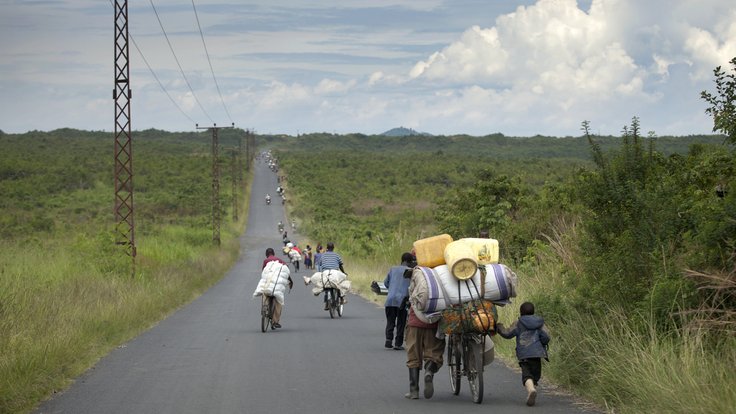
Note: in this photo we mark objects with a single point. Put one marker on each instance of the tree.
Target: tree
(723, 103)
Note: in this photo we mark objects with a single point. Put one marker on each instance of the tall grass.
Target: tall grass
(622, 362)
(63, 305)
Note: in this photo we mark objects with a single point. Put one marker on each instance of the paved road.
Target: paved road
(211, 357)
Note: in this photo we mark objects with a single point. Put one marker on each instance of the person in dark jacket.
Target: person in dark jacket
(396, 302)
(531, 346)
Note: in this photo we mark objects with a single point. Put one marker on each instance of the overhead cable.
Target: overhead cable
(179, 64)
(210, 62)
(161, 85)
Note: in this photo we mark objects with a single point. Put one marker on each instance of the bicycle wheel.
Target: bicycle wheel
(264, 313)
(453, 363)
(271, 310)
(331, 303)
(474, 363)
(339, 307)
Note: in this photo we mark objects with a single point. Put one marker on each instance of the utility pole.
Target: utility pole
(123, 151)
(234, 179)
(216, 211)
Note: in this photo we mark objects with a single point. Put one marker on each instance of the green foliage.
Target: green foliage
(647, 217)
(723, 102)
(66, 294)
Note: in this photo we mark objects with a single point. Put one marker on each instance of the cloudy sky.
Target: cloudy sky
(521, 67)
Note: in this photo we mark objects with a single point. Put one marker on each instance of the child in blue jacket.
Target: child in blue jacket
(531, 346)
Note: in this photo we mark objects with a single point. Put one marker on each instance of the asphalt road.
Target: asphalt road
(211, 356)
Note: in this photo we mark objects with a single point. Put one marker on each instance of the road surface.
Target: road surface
(211, 356)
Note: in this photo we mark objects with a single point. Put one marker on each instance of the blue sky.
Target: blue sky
(285, 66)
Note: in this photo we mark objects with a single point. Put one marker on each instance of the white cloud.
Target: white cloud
(330, 86)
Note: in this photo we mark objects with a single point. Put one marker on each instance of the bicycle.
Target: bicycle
(465, 358)
(334, 303)
(267, 308)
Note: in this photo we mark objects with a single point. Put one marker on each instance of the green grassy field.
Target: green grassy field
(67, 295)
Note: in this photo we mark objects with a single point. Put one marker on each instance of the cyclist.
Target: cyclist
(268, 198)
(331, 261)
(271, 257)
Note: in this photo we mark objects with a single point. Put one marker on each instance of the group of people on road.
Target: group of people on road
(425, 347)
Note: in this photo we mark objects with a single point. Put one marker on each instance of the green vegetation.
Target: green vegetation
(67, 296)
(626, 245)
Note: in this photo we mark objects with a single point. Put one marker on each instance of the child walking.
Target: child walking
(531, 346)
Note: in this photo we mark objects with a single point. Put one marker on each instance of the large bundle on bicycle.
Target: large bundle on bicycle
(328, 279)
(274, 281)
(463, 289)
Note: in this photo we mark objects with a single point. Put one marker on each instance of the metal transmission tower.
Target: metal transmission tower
(125, 226)
(216, 210)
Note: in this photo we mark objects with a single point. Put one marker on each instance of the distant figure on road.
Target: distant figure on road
(396, 305)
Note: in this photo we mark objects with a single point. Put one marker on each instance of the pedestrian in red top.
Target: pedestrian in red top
(422, 345)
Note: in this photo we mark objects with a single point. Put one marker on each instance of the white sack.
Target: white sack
(500, 285)
(274, 280)
(328, 279)
(425, 292)
(469, 289)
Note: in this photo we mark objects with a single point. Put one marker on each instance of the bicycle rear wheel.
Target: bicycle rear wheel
(474, 364)
(332, 303)
(453, 363)
(265, 317)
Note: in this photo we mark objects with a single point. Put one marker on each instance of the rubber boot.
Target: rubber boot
(531, 392)
(430, 368)
(413, 393)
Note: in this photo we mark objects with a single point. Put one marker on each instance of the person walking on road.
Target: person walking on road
(271, 257)
(330, 260)
(422, 346)
(397, 302)
(531, 346)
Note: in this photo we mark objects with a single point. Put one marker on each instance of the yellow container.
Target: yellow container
(430, 252)
(486, 250)
(461, 260)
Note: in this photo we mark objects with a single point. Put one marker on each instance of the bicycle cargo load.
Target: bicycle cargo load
(461, 259)
(500, 283)
(425, 291)
(430, 252)
(477, 316)
(485, 250)
(328, 279)
(273, 282)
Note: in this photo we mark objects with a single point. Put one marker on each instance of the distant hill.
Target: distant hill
(404, 132)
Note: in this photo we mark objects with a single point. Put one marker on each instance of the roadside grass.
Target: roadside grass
(622, 363)
(64, 305)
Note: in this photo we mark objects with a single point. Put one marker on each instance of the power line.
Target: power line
(179, 64)
(210, 62)
(163, 88)
(159, 82)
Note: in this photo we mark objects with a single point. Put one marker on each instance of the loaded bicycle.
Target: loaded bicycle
(334, 302)
(465, 359)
